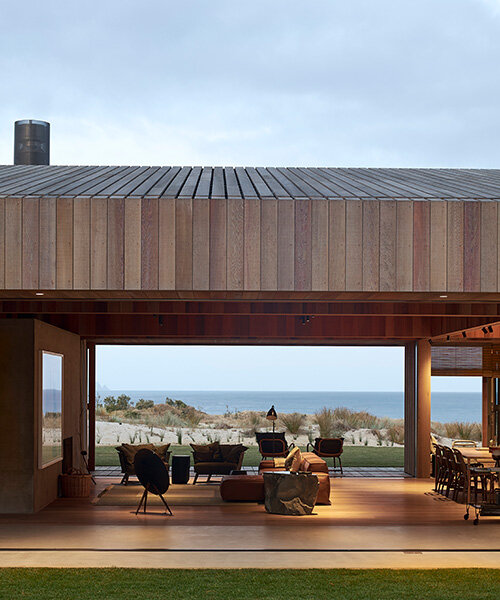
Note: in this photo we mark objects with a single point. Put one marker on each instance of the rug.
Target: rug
(177, 495)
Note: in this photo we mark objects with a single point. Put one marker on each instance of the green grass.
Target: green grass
(353, 456)
(251, 584)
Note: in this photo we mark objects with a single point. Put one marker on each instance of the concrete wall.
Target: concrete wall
(17, 448)
(24, 487)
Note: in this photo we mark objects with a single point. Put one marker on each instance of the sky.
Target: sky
(261, 368)
(255, 83)
(391, 83)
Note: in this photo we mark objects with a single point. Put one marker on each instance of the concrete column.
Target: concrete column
(423, 411)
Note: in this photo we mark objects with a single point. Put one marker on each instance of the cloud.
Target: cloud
(393, 83)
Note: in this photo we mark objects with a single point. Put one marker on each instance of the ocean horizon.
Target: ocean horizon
(446, 406)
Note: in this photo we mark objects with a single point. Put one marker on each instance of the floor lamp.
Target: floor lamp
(272, 416)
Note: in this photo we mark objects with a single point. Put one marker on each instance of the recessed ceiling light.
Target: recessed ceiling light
(443, 296)
(39, 294)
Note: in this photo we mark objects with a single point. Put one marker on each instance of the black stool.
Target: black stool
(180, 468)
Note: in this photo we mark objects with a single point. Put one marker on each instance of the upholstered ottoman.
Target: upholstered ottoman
(312, 462)
(242, 488)
(323, 496)
(250, 488)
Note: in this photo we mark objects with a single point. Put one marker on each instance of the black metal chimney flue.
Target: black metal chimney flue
(31, 142)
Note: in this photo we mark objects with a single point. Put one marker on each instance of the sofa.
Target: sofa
(250, 488)
(127, 452)
(216, 459)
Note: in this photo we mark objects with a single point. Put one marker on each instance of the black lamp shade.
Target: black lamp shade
(271, 414)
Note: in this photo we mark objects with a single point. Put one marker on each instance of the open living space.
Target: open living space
(223, 380)
(127, 256)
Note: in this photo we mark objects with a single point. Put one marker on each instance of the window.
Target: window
(51, 410)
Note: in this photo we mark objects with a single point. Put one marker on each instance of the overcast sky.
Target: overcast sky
(255, 83)
(274, 82)
(261, 368)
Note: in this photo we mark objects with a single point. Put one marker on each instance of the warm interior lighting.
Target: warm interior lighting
(443, 296)
(272, 416)
(38, 293)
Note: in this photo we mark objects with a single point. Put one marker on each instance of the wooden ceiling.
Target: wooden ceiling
(247, 183)
(253, 322)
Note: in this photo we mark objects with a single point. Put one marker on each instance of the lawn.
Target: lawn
(251, 584)
(353, 456)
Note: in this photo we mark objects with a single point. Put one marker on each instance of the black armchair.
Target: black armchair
(273, 445)
(329, 448)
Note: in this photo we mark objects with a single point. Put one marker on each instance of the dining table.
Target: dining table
(472, 456)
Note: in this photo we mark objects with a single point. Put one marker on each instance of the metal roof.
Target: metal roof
(245, 182)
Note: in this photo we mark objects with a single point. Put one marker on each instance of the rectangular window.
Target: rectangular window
(51, 417)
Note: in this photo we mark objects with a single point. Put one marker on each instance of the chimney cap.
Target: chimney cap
(32, 122)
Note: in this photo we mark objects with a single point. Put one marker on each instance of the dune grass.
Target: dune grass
(249, 584)
(353, 456)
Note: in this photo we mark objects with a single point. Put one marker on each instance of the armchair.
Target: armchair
(329, 448)
(273, 445)
(127, 452)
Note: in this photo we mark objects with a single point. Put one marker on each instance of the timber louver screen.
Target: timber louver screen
(465, 361)
(457, 360)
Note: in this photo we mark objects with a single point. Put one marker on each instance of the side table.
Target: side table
(180, 468)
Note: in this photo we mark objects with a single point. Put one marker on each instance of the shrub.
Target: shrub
(170, 420)
(463, 430)
(396, 434)
(292, 422)
(132, 414)
(132, 437)
(211, 438)
(192, 417)
(358, 420)
(112, 404)
(179, 404)
(144, 404)
(310, 435)
(325, 420)
(254, 421)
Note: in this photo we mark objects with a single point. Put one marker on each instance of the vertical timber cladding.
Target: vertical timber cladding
(254, 244)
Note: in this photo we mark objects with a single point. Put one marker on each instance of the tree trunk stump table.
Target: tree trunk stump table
(290, 493)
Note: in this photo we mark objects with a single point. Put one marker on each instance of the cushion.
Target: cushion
(323, 496)
(312, 462)
(267, 465)
(129, 451)
(214, 468)
(205, 452)
(162, 452)
(293, 460)
(231, 452)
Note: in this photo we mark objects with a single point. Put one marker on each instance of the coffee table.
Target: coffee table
(289, 493)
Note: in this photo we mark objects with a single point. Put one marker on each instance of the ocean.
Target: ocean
(446, 406)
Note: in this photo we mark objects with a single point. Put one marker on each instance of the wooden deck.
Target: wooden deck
(370, 520)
